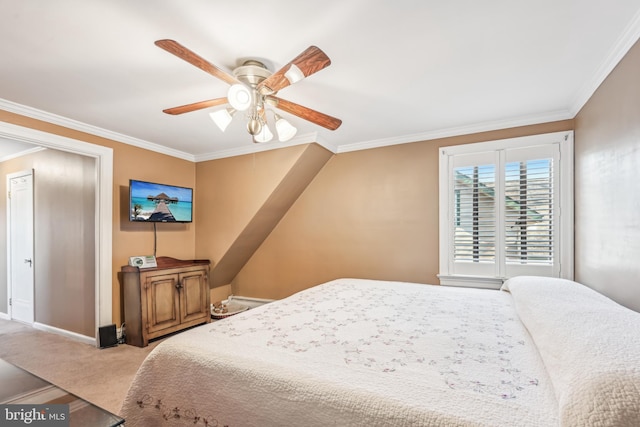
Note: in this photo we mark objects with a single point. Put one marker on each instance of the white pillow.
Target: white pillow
(590, 346)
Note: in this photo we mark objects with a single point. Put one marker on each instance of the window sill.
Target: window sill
(471, 281)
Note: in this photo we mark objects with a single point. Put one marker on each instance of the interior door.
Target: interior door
(21, 278)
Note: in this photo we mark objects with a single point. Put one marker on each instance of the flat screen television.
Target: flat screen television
(154, 202)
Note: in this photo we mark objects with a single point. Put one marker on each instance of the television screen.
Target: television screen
(153, 202)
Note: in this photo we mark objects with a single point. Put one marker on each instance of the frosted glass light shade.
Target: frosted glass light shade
(240, 97)
(284, 129)
(294, 74)
(222, 118)
(264, 135)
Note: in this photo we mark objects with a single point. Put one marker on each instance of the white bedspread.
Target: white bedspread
(352, 352)
(590, 346)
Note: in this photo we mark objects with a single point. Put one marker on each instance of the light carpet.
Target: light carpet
(99, 376)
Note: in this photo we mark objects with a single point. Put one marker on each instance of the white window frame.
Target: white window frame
(564, 141)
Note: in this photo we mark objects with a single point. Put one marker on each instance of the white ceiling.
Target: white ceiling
(402, 70)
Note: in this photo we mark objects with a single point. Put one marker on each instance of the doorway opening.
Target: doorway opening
(103, 210)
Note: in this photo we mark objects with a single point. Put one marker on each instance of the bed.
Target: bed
(355, 352)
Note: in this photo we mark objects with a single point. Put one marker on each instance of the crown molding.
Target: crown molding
(457, 131)
(44, 116)
(625, 42)
(307, 138)
(21, 153)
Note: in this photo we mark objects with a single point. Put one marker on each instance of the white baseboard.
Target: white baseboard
(249, 301)
(5, 316)
(75, 336)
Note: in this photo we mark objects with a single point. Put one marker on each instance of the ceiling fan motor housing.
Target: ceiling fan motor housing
(252, 72)
(242, 96)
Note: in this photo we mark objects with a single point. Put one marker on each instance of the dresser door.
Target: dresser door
(163, 302)
(193, 299)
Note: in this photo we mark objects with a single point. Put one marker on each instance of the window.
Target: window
(506, 209)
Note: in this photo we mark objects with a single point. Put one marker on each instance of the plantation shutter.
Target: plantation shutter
(503, 212)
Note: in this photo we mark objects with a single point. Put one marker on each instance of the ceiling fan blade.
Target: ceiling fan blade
(195, 106)
(193, 58)
(313, 116)
(308, 62)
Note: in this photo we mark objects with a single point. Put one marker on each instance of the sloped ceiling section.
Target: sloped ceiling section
(278, 199)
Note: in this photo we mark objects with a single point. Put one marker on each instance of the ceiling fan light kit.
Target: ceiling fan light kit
(222, 118)
(264, 135)
(240, 97)
(252, 87)
(284, 129)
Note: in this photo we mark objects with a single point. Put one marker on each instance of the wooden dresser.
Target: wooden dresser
(165, 299)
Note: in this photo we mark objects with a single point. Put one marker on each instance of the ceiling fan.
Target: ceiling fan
(253, 88)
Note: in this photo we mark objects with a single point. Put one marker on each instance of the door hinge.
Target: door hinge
(10, 301)
(9, 193)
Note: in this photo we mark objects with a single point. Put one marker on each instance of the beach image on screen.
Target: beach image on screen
(154, 202)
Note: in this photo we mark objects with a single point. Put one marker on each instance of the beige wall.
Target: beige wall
(244, 198)
(370, 213)
(175, 240)
(231, 191)
(607, 163)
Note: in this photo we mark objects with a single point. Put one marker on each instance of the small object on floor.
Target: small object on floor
(107, 336)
